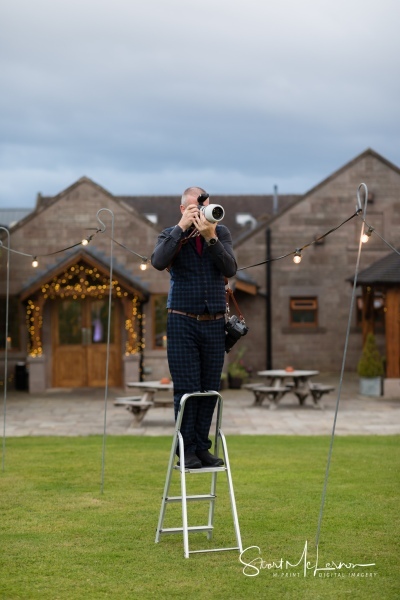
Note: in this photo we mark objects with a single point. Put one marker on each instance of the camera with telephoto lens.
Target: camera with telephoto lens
(213, 212)
(234, 330)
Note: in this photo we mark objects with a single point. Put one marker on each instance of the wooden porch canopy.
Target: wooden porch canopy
(245, 283)
(384, 277)
(83, 273)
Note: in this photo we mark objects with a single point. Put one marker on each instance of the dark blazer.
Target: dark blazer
(197, 282)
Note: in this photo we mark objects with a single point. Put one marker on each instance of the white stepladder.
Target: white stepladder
(211, 497)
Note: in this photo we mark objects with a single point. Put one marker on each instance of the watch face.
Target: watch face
(212, 241)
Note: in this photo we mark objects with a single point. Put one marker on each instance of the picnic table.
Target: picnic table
(139, 405)
(279, 382)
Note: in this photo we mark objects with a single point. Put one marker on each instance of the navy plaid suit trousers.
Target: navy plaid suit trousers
(196, 357)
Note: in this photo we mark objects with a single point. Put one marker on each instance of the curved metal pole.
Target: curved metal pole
(359, 208)
(102, 230)
(6, 349)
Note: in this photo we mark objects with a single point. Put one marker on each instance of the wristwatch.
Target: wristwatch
(212, 241)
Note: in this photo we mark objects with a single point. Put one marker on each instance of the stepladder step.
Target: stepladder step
(202, 470)
(191, 498)
(193, 529)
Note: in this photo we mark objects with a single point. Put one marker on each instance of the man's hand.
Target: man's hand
(187, 219)
(192, 216)
(204, 227)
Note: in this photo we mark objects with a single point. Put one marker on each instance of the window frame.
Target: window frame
(312, 302)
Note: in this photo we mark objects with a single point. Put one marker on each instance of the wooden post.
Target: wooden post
(368, 325)
(392, 327)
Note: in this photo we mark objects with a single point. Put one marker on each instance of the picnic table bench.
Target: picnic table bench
(135, 405)
(139, 405)
(277, 386)
(261, 391)
(318, 390)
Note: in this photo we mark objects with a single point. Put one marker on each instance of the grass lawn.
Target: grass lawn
(62, 539)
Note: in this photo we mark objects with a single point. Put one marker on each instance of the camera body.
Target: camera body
(234, 330)
(213, 212)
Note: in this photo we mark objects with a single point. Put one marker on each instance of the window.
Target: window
(152, 217)
(304, 312)
(160, 321)
(246, 219)
(13, 341)
(84, 322)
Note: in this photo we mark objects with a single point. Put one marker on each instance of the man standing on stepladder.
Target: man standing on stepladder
(198, 265)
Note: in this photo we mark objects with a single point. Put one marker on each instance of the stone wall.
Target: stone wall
(324, 269)
(323, 272)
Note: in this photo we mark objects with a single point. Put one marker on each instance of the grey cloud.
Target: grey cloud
(146, 94)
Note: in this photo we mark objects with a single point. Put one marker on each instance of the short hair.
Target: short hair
(191, 191)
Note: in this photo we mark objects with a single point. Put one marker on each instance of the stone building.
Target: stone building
(300, 314)
(297, 314)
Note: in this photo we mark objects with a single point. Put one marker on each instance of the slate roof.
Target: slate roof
(385, 271)
(10, 216)
(260, 207)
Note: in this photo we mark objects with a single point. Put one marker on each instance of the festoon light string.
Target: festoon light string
(296, 253)
(84, 242)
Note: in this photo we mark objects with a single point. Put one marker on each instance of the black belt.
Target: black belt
(204, 317)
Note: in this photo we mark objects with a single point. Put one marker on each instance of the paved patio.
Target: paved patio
(67, 412)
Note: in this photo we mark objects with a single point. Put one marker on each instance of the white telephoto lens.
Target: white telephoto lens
(213, 213)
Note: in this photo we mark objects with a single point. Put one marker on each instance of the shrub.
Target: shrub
(371, 362)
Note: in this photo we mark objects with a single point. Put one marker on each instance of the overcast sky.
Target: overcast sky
(151, 96)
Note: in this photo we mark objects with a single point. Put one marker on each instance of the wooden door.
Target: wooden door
(79, 331)
(392, 317)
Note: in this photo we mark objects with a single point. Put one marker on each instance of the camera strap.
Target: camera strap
(193, 234)
(229, 295)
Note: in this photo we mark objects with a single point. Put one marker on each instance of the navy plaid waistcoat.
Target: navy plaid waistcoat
(196, 283)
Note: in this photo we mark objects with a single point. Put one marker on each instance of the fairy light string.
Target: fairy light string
(297, 253)
(371, 230)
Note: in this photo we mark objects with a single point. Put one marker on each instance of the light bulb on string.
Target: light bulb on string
(35, 262)
(85, 241)
(297, 257)
(143, 265)
(366, 235)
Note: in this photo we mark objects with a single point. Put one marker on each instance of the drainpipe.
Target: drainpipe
(268, 319)
(275, 201)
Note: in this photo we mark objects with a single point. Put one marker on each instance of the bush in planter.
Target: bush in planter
(371, 362)
(370, 367)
